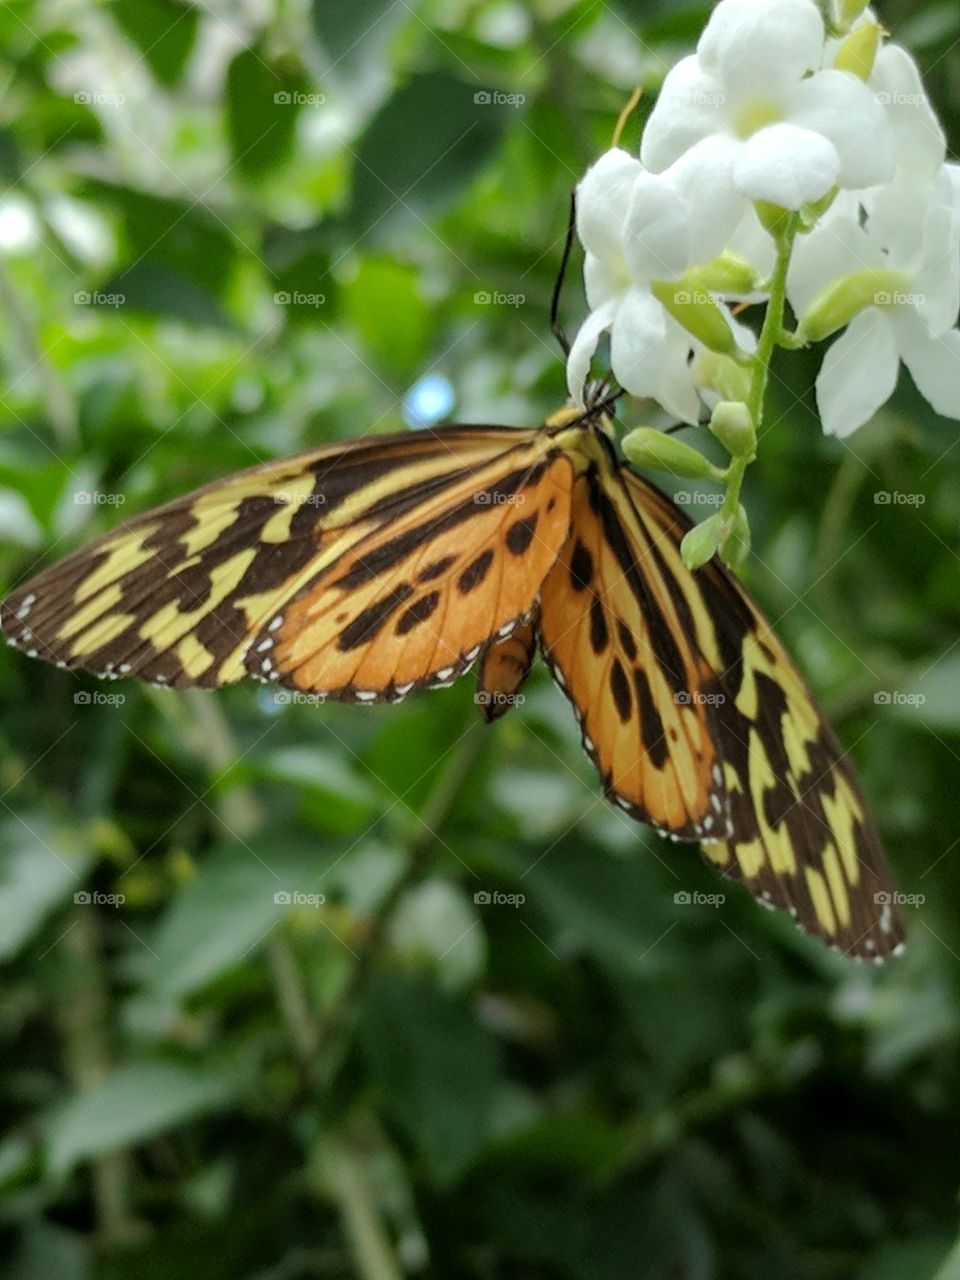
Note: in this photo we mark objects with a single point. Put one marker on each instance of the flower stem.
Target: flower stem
(772, 335)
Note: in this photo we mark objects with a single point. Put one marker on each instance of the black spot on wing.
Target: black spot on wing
(372, 619)
(520, 534)
(599, 632)
(581, 567)
(436, 570)
(475, 572)
(417, 613)
(620, 688)
(651, 724)
(627, 642)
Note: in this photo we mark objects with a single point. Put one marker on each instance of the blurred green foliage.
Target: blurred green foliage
(232, 231)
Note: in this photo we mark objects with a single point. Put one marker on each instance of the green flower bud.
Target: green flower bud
(733, 425)
(721, 374)
(848, 11)
(841, 300)
(727, 274)
(694, 308)
(647, 447)
(735, 544)
(773, 218)
(700, 542)
(858, 51)
(810, 214)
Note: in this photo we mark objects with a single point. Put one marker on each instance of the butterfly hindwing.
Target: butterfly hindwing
(803, 839)
(504, 666)
(618, 646)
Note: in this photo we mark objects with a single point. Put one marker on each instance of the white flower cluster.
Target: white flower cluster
(773, 114)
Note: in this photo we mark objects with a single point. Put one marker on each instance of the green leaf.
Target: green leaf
(437, 1067)
(402, 165)
(132, 1104)
(164, 30)
(161, 290)
(41, 866)
(48, 1249)
(382, 292)
(348, 28)
(262, 104)
(230, 908)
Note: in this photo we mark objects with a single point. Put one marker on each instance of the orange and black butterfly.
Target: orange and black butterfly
(369, 570)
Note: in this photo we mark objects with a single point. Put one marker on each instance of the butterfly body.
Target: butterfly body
(366, 571)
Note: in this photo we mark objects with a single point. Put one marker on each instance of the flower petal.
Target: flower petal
(917, 136)
(934, 362)
(603, 196)
(858, 374)
(603, 280)
(583, 348)
(656, 243)
(843, 109)
(703, 176)
(786, 165)
(676, 390)
(687, 109)
(761, 43)
(838, 247)
(636, 342)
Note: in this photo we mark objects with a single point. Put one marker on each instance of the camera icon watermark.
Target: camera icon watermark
(496, 98)
(297, 98)
(96, 698)
(94, 898)
(897, 899)
(496, 298)
(694, 898)
(895, 698)
(96, 298)
(97, 498)
(697, 698)
(896, 498)
(93, 98)
(494, 898)
(297, 298)
(296, 898)
(497, 698)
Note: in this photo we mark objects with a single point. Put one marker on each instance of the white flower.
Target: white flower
(914, 233)
(918, 139)
(791, 132)
(638, 228)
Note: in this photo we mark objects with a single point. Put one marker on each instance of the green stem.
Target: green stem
(772, 335)
(85, 1020)
(335, 1026)
(348, 1183)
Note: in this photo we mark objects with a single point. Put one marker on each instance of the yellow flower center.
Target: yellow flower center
(756, 115)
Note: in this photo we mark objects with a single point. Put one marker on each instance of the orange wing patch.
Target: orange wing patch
(612, 634)
(504, 667)
(414, 604)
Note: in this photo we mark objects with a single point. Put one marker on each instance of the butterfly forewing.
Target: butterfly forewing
(415, 603)
(178, 595)
(803, 839)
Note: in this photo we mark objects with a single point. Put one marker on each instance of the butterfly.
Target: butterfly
(368, 570)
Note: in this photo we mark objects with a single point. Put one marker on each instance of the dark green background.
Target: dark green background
(598, 1083)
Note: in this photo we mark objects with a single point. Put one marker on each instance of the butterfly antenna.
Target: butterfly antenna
(555, 326)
